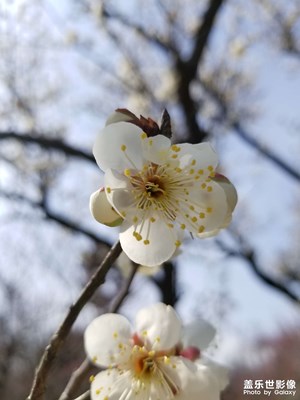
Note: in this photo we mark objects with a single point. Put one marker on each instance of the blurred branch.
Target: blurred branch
(202, 36)
(67, 223)
(248, 255)
(265, 152)
(84, 396)
(117, 302)
(84, 369)
(187, 70)
(152, 38)
(48, 144)
(241, 132)
(76, 378)
(168, 284)
(39, 383)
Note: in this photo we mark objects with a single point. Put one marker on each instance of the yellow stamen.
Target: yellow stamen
(201, 228)
(127, 172)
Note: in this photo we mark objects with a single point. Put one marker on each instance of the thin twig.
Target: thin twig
(75, 380)
(248, 255)
(48, 144)
(84, 396)
(85, 367)
(53, 216)
(39, 383)
(117, 302)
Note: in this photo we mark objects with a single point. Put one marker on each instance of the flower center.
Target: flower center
(154, 187)
(175, 192)
(144, 366)
(148, 185)
(150, 367)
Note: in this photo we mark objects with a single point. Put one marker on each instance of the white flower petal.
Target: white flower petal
(217, 374)
(118, 191)
(119, 146)
(204, 155)
(102, 210)
(229, 189)
(210, 206)
(198, 333)
(110, 384)
(204, 384)
(174, 371)
(155, 251)
(159, 326)
(107, 339)
(156, 149)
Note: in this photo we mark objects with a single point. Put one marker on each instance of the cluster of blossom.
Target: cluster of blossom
(155, 191)
(156, 360)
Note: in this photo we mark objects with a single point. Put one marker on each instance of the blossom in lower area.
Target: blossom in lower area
(156, 191)
(153, 361)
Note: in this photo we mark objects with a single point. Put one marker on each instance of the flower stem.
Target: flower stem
(85, 367)
(56, 341)
(84, 396)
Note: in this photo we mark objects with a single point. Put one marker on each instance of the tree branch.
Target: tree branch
(249, 256)
(84, 369)
(63, 221)
(202, 36)
(265, 152)
(152, 38)
(187, 71)
(75, 380)
(48, 144)
(241, 132)
(168, 284)
(117, 302)
(39, 383)
(84, 396)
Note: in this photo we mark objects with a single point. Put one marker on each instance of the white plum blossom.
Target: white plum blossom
(152, 361)
(155, 190)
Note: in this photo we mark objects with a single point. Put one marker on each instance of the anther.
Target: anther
(201, 228)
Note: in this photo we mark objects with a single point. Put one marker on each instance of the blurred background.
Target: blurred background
(228, 72)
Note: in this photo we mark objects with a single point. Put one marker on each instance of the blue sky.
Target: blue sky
(266, 211)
